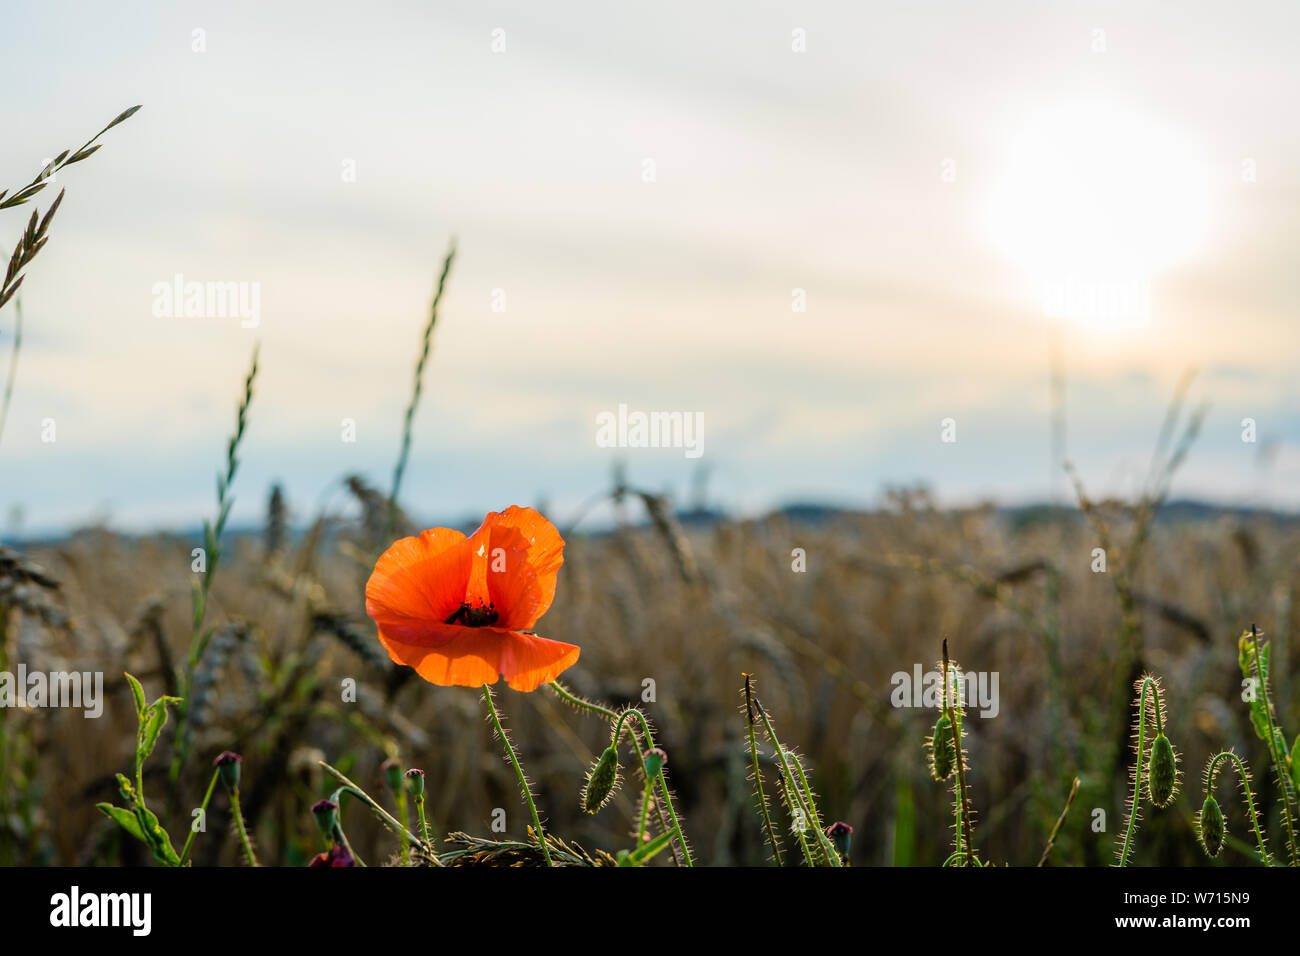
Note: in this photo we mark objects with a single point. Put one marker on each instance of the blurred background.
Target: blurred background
(904, 262)
(882, 171)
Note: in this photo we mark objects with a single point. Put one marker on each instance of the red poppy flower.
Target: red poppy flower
(337, 855)
(461, 610)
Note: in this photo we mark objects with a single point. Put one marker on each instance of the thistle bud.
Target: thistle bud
(227, 765)
(841, 835)
(1162, 772)
(655, 759)
(601, 781)
(415, 781)
(1210, 827)
(392, 768)
(942, 758)
(326, 813)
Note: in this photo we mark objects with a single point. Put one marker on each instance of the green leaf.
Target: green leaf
(157, 837)
(1294, 761)
(125, 788)
(650, 849)
(154, 723)
(123, 818)
(138, 692)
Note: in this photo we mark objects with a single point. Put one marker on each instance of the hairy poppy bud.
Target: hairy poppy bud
(1162, 772)
(942, 758)
(655, 759)
(601, 781)
(392, 768)
(227, 765)
(415, 781)
(841, 835)
(1210, 827)
(326, 813)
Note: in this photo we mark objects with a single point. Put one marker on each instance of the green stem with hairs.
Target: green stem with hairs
(614, 717)
(828, 852)
(758, 776)
(1279, 764)
(1210, 775)
(424, 823)
(239, 827)
(1147, 682)
(519, 773)
(645, 812)
(964, 829)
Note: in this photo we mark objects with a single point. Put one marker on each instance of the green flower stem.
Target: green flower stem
(403, 816)
(615, 717)
(424, 823)
(212, 785)
(239, 826)
(810, 813)
(758, 777)
(1279, 763)
(1137, 769)
(645, 812)
(519, 773)
(342, 837)
(384, 816)
(1210, 775)
(954, 719)
(663, 789)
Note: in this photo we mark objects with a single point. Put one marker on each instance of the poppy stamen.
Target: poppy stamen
(469, 616)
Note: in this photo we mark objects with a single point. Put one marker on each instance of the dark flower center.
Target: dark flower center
(469, 616)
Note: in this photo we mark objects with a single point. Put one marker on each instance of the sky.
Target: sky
(824, 228)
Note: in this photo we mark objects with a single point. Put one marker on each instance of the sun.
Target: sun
(1092, 203)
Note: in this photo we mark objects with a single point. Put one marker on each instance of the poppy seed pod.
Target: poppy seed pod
(1162, 772)
(415, 781)
(655, 759)
(841, 835)
(942, 758)
(326, 813)
(1210, 827)
(227, 765)
(601, 781)
(392, 768)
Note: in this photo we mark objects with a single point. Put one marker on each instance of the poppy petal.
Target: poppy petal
(479, 655)
(417, 584)
(518, 554)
